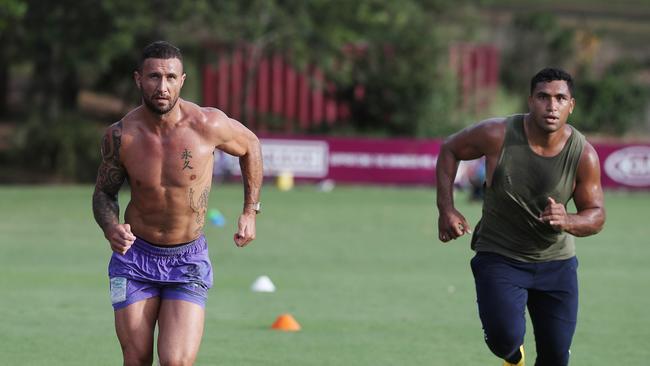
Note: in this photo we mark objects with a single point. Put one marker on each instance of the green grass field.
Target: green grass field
(360, 268)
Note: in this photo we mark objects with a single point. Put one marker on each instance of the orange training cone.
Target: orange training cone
(287, 323)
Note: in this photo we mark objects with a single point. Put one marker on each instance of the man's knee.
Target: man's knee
(553, 357)
(556, 360)
(177, 361)
(132, 358)
(503, 342)
(136, 353)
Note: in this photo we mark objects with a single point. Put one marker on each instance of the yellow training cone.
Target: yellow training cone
(285, 181)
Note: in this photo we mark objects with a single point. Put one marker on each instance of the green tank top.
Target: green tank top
(521, 184)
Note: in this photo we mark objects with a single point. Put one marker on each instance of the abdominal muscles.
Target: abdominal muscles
(168, 214)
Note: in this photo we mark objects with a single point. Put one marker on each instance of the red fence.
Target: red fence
(477, 70)
(269, 94)
(270, 90)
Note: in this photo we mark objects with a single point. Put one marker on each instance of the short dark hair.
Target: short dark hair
(551, 74)
(160, 49)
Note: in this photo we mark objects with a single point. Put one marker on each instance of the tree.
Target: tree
(538, 41)
(11, 13)
(613, 104)
(68, 44)
(391, 48)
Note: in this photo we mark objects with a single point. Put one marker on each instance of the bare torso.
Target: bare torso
(169, 170)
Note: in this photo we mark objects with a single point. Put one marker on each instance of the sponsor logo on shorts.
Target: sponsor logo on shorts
(118, 289)
(630, 166)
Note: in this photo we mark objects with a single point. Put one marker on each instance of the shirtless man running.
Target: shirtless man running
(160, 270)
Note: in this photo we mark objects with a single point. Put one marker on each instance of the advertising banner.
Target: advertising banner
(412, 161)
(625, 165)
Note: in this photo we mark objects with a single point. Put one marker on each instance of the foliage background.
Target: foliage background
(66, 66)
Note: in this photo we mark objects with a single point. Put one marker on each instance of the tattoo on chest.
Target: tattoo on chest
(186, 156)
(199, 204)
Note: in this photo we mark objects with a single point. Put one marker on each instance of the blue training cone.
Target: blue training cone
(216, 218)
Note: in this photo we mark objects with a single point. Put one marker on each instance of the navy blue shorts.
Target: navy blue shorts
(505, 287)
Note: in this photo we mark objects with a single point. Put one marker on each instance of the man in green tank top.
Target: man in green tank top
(524, 242)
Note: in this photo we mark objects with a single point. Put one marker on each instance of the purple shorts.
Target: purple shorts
(181, 272)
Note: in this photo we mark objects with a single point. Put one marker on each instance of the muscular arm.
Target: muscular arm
(251, 167)
(245, 145)
(110, 176)
(239, 141)
(482, 139)
(588, 198)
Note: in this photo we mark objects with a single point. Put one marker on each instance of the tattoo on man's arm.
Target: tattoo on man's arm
(110, 177)
(105, 209)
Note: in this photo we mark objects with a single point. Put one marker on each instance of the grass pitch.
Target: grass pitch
(360, 268)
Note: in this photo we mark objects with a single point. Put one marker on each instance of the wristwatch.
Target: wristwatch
(256, 206)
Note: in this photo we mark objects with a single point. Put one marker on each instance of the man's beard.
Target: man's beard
(155, 109)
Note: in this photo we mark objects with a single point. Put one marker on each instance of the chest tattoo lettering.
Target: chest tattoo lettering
(186, 156)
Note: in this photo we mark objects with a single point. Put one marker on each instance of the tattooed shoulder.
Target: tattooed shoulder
(112, 142)
(111, 172)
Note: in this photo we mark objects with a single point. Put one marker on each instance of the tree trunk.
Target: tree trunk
(4, 84)
(42, 89)
(68, 90)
